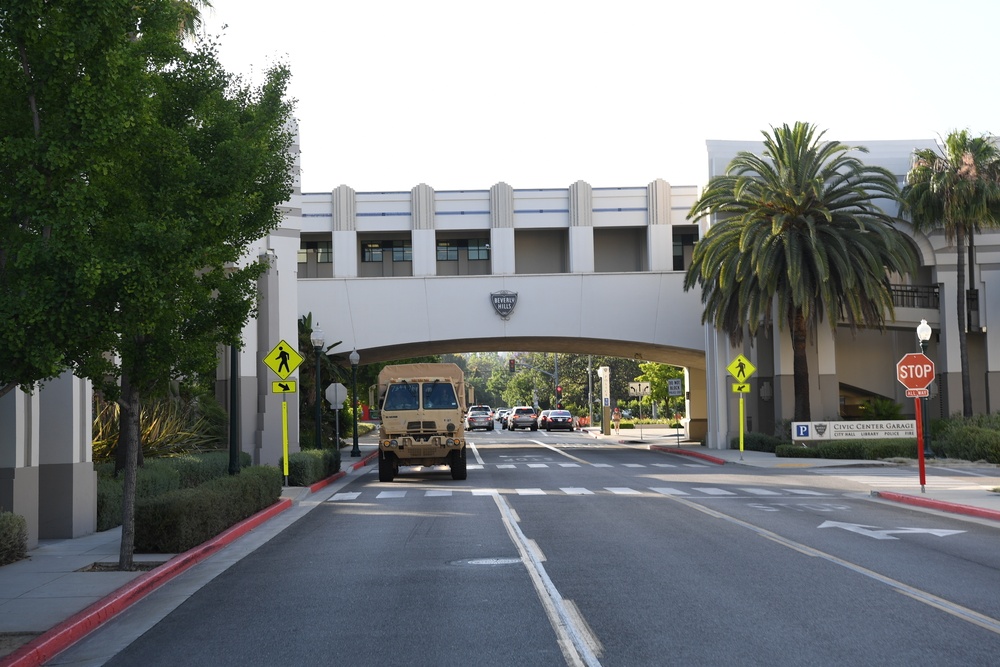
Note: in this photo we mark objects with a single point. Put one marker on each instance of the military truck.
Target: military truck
(422, 408)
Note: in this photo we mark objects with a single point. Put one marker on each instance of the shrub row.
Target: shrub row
(968, 440)
(13, 537)
(156, 477)
(757, 442)
(176, 521)
(311, 465)
(867, 450)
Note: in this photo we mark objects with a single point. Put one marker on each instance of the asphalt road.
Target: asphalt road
(562, 550)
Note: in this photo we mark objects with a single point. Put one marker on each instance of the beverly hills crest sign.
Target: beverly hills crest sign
(504, 302)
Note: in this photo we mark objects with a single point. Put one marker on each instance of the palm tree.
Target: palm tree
(958, 191)
(799, 234)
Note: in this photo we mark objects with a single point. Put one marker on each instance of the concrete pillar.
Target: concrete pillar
(660, 245)
(67, 501)
(19, 458)
(423, 237)
(345, 235)
(502, 229)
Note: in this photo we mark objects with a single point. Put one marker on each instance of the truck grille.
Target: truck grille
(421, 428)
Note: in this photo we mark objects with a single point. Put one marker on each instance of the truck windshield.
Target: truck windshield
(402, 397)
(439, 396)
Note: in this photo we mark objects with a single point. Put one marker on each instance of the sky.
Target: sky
(463, 94)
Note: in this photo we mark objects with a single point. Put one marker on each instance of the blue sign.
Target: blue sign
(802, 430)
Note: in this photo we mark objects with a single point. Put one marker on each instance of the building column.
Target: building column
(424, 236)
(502, 229)
(19, 458)
(581, 228)
(660, 242)
(345, 235)
(67, 500)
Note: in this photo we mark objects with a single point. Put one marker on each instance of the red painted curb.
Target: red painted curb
(942, 505)
(337, 475)
(688, 452)
(46, 646)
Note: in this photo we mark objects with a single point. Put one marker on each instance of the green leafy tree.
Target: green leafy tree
(798, 232)
(957, 191)
(134, 175)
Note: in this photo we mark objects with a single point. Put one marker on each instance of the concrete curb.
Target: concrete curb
(337, 475)
(943, 505)
(49, 644)
(688, 452)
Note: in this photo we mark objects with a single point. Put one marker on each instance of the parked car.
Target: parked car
(479, 416)
(501, 415)
(523, 416)
(543, 417)
(559, 419)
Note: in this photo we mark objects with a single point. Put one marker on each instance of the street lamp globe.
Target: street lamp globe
(317, 337)
(923, 334)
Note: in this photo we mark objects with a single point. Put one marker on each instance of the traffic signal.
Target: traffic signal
(510, 364)
(558, 392)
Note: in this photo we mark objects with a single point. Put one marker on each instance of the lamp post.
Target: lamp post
(317, 339)
(355, 359)
(924, 335)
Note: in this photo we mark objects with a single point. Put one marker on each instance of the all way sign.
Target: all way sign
(887, 533)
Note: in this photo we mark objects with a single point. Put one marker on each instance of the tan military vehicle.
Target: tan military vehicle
(423, 418)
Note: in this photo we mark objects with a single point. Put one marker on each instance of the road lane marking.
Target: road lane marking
(931, 600)
(578, 644)
(622, 490)
(576, 491)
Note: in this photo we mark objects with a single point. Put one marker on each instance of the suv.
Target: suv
(523, 416)
(479, 416)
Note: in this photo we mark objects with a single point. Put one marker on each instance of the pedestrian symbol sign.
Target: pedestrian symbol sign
(741, 368)
(283, 359)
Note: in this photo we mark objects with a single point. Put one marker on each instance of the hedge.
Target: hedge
(176, 521)
(310, 466)
(867, 450)
(13, 537)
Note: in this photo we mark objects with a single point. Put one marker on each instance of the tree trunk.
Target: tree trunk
(800, 365)
(128, 446)
(963, 347)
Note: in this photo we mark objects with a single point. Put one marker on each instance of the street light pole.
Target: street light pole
(924, 335)
(355, 360)
(317, 339)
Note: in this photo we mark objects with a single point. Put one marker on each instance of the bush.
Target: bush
(970, 442)
(757, 442)
(868, 450)
(182, 519)
(13, 538)
(795, 451)
(310, 466)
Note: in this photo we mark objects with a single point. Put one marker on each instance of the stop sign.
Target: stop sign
(915, 371)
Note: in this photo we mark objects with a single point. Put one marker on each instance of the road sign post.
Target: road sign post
(283, 359)
(741, 369)
(916, 372)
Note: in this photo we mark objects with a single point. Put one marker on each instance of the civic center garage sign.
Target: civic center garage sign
(846, 430)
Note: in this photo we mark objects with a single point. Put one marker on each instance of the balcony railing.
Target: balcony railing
(915, 296)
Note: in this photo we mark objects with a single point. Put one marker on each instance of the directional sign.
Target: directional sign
(283, 387)
(283, 359)
(887, 533)
(638, 389)
(741, 388)
(741, 368)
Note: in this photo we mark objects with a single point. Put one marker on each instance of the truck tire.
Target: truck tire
(386, 467)
(459, 470)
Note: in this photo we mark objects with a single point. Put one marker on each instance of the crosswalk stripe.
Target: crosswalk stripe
(577, 491)
(353, 495)
(622, 490)
(667, 491)
(538, 465)
(713, 491)
(391, 494)
(603, 465)
(695, 465)
(436, 493)
(761, 492)
(664, 465)
(569, 465)
(806, 492)
(506, 465)
(530, 492)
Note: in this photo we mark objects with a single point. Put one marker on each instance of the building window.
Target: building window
(683, 247)
(479, 249)
(322, 249)
(402, 251)
(371, 251)
(447, 251)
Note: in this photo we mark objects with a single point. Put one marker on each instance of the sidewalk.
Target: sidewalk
(49, 600)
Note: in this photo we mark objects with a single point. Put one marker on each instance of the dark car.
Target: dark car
(559, 419)
(523, 417)
(479, 417)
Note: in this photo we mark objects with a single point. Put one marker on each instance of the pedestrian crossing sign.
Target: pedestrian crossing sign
(283, 359)
(741, 368)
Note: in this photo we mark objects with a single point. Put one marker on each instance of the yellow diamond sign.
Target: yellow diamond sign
(741, 368)
(283, 359)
